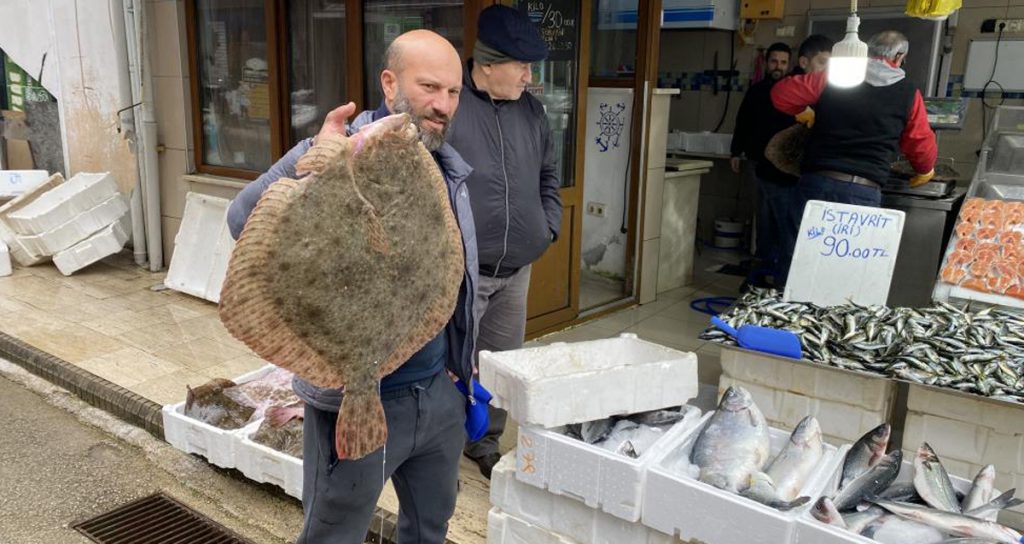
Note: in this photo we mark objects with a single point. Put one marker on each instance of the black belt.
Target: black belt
(502, 272)
(849, 178)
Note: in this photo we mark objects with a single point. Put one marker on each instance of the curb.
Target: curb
(103, 394)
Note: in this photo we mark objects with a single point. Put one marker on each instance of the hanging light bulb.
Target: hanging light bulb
(849, 62)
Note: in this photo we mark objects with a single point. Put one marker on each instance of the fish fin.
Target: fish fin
(190, 398)
(795, 503)
(362, 427)
(279, 415)
(377, 238)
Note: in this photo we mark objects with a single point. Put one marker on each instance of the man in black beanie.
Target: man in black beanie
(502, 132)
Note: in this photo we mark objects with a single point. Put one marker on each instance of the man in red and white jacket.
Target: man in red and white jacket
(856, 133)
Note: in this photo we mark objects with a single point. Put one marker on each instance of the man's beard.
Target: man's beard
(776, 74)
(431, 139)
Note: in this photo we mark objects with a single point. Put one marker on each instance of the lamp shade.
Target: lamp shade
(849, 62)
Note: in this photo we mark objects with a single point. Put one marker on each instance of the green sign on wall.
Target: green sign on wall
(21, 87)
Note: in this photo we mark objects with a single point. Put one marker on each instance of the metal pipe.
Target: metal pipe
(125, 54)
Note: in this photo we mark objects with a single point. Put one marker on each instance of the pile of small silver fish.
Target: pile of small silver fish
(733, 452)
(630, 435)
(868, 499)
(979, 352)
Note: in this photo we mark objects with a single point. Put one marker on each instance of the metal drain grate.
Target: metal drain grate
(156, 519)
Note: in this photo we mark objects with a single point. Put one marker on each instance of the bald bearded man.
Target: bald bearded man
(424, 410)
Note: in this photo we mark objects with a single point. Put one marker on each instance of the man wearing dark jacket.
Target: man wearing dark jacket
(425, 412)
(857, 133)
(503, 133)
(756, 122)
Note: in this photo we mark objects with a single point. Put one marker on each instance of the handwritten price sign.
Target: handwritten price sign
(556, 20)
(844, 253)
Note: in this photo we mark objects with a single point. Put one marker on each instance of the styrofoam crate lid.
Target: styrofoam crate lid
(17, 182)
(565, 383)
(198, 267)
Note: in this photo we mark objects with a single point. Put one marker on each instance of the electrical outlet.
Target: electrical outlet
(596, 209)
(1009, 26)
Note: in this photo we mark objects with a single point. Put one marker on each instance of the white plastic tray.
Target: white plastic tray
(202, 248)
(597, 477)
(62, 203)
(676, 504)
(189, 435)
(561, 383)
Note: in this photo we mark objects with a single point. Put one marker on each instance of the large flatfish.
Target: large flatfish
(342, 276)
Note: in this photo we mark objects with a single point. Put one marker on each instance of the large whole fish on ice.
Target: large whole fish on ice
(340, 277)
(734, 443)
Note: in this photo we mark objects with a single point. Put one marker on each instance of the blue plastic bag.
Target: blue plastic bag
(477, 416)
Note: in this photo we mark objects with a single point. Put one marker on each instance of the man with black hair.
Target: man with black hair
(813, 54)
(756, 122)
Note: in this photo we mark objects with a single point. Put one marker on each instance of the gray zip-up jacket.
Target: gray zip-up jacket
(514, 184)
(460, 328)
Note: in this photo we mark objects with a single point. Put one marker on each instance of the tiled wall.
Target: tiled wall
(169, 57)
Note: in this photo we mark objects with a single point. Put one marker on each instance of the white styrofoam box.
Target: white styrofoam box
(77, 228)
(811, 531)
(5, 260)
(16, 182)
(267, 465)
(21, 254)
(190, 435)
(198, 266)
(561, 383)
(505, 529)
(846, 403)
(104, 243)
(599, 478)
(677, 504)
(563, 515)
(58, 205)
(968, 432)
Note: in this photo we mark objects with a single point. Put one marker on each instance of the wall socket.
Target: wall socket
(1012, 25)
(595, 208)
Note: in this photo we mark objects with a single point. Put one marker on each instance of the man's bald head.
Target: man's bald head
(423, 77)
(420, 41)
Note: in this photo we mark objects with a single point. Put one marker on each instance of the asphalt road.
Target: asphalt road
(62, 461)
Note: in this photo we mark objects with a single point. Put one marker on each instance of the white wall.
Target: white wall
(604, 171)
(81, 70)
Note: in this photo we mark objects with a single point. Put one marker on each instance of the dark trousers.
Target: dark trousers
(426, 432)
(819, 187)
(776, 200)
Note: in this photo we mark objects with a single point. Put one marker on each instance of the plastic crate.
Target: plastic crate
(562, 383)
(202, 248)
(219, 446)
(595, 476)
(677, 504)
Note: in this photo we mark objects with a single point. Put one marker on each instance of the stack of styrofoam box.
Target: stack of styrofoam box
(524, 513)
(969, 432)
(198, 267)
(234, 448)
(14, 183)
(77, 223)
(847, 404)
(19, 251)
(676, 504)
(811, 531)
(548, 387)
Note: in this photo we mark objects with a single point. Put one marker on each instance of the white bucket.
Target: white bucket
(728, 233)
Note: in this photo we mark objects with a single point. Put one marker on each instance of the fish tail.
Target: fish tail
(362, 427)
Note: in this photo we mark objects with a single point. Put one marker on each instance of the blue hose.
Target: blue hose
(708, 305)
